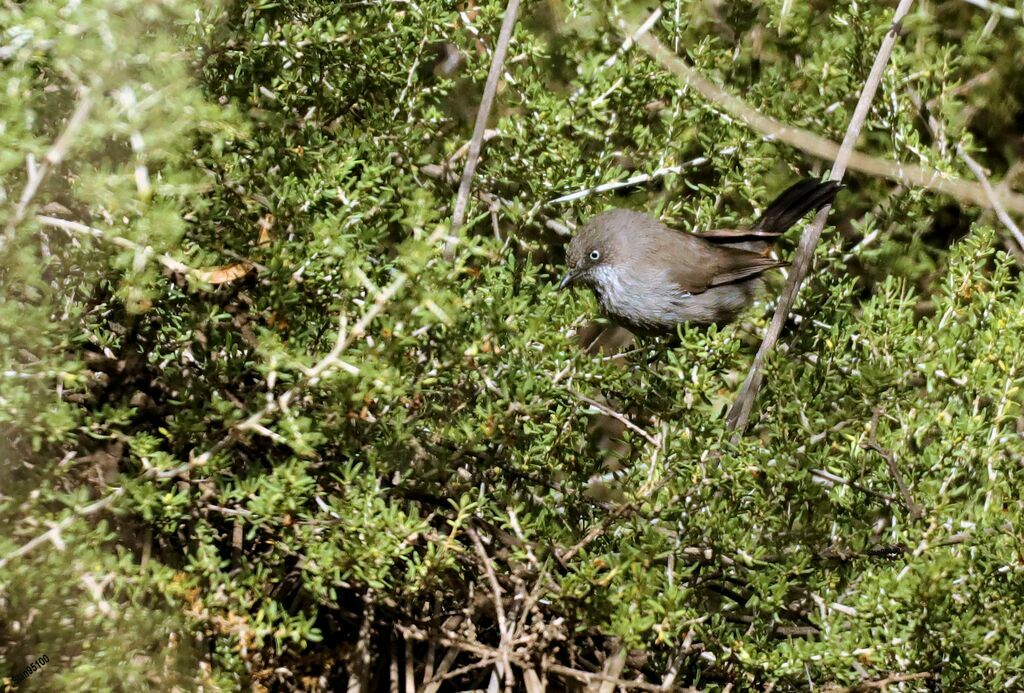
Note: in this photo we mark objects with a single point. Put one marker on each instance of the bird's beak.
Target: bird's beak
(568, 279)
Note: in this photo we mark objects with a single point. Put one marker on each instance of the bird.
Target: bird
(650, 278)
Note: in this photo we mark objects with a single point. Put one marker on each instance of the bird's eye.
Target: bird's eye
(595, 255)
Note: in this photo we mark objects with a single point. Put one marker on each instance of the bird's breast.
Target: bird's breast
(639, 297)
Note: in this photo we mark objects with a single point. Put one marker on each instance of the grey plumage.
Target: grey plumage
(651, 278)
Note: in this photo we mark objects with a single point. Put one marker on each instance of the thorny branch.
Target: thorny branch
(740, 412)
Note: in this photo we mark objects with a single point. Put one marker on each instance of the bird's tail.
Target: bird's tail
(794, 202)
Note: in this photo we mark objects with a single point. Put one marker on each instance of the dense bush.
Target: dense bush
(258, 432)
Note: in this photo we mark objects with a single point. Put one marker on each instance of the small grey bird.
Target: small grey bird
(650, 278)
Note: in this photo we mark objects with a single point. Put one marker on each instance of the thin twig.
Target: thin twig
(915, 510)
(595, 532)
(629, 182)
(622, 49)
(872, 444)
(331, 361)
(56, 154)
(1000, 211)
(821, 147)
(883, 684)
(490, 88)
(604, 409)
(740, 412)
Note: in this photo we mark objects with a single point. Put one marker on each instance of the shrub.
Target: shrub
(259, 432)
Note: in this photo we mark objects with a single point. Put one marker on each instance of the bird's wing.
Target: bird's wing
(705, 265)
(746, 266)
(727, 235)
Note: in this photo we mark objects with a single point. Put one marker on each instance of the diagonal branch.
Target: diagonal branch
(490, 88)
(740, 412)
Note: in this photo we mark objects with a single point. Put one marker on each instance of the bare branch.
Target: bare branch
(816, 145)
(939, 133)
(740, 412)
(613, 670)
(997, 206)
(883, 684)
(872, 444)
(629, 182)
(490, 88)
(592, 677)
(329, 362)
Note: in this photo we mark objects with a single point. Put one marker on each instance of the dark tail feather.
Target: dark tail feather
(794, 202)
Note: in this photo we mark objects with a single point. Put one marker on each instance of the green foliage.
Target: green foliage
(270, 499)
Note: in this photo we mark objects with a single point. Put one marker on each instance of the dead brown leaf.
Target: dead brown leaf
(224, 273)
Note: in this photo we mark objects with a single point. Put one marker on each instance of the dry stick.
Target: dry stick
(442, 671)
(485, 651)
(883, 684)
(591, 678)
(995, 8)
(629, 182)
(410, 667)
(490, 88)
(53, 157)
(359, 670)
(821, 147)
(740, 412)
(915, 510)
(613, 667)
